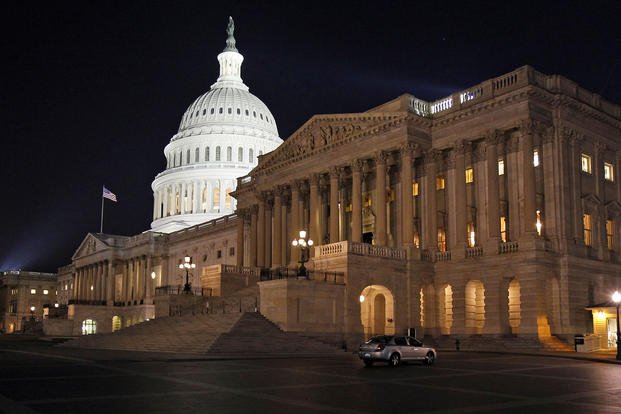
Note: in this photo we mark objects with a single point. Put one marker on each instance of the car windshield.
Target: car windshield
(414, 341)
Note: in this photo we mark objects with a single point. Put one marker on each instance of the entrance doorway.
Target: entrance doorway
(377, 311)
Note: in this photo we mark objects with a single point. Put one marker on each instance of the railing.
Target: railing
(427, 256)
(337, 278)
(246, 270)
(441, 105)
(178, 290)
(364, 249)
(443, 256)
(419, 107)
(508, 247)
(474, 251)
(471, 94)
(87, 302)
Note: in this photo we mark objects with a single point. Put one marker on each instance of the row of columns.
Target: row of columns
(271, 211)
(195, 196)
(97, 282)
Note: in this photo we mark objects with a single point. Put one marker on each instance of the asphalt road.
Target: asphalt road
(36, 377)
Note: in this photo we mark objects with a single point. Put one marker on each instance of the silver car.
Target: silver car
(394, 350)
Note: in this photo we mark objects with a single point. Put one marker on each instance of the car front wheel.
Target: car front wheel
(395, 360)
(430, 358)
(367, 362)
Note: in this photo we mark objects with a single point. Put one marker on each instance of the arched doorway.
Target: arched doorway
(446, 309)
(89, 327)
(116, 323)
(377, 311)
(515, 306)
(475, 307)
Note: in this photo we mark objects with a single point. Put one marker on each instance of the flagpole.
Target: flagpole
(102, 208)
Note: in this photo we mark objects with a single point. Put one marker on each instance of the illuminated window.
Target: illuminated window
(228, 200)
(45, 291)
(216, 198)
(439, 182)
(501, 167)
(441, 240)
(609, 172)
(415, 188)
(217, 153)
(586, 163)
(14, 291)
(471, 235)
(416, 240)
(469, 175)
(586, 224)
(539, 222)
(503, 229)
(610, 225)
(33, 291)
(536, 158)
(204, 200)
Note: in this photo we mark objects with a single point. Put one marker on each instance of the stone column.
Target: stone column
(356, 200)
(493, 202)
(575, 171)
(284, 230)
(110, 291)
(165, 198)
(511, 171)
(430, 214)
(253, 235)
(551, 220)
(457, 231)
(315, 210)
(380, 191)
(268, 229)
(334, 205)
(528, 176)
(241, 213)
(261, 232)
(459, 309)
(277, 234)
(295, 219)
(156, 196)
(407, 197)
(196, 197)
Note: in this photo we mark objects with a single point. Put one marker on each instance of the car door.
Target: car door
(416, 348)
(403, 347)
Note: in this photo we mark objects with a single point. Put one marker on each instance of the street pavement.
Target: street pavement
(37, 377)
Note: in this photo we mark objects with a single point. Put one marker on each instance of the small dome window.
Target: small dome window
(238, 111)
(197, 113)
(247, 113)
(204, 111)
(254, 113)
(230, 111)
(261, 115)
(212, 111)
(221, 110)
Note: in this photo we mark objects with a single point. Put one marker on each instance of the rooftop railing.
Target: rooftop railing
(364, 249)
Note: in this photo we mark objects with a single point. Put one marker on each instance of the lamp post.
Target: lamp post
(186, 265)
(304, 243)
(616, 298)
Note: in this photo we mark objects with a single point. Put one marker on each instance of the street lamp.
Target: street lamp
(32, 313)
(304, 243)
(186, 265)
(616, 298)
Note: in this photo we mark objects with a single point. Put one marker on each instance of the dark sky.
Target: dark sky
(93, 91)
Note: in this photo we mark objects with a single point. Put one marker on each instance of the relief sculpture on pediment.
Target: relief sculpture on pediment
(333, 133)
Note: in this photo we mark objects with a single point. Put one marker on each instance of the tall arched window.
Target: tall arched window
(228, 200)
(174, 159)
(187, 156)
(206, 153)
(204, 200)
(240, 154)
(217, 153)
(196, 155)
(216, 198)
(250, 156)
(167, 160)
(229, 154)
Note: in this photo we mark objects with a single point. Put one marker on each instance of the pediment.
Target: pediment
(91, 244)
(613, 209)
(324, 132)
(591, 200)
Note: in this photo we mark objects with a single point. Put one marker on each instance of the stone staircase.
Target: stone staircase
(191, 334)
(497, 343)
(230, 334)
(253, 334)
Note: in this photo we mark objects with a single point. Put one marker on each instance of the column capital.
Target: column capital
(493, 136)
(335, 172)
(409, 148)
(357, 165)
(600, 148)
(314, 179)
(380, 157)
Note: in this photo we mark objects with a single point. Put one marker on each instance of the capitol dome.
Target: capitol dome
(220, 136)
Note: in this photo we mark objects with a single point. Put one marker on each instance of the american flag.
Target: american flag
(109, 195)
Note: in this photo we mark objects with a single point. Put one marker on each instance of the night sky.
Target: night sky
(93, 91)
